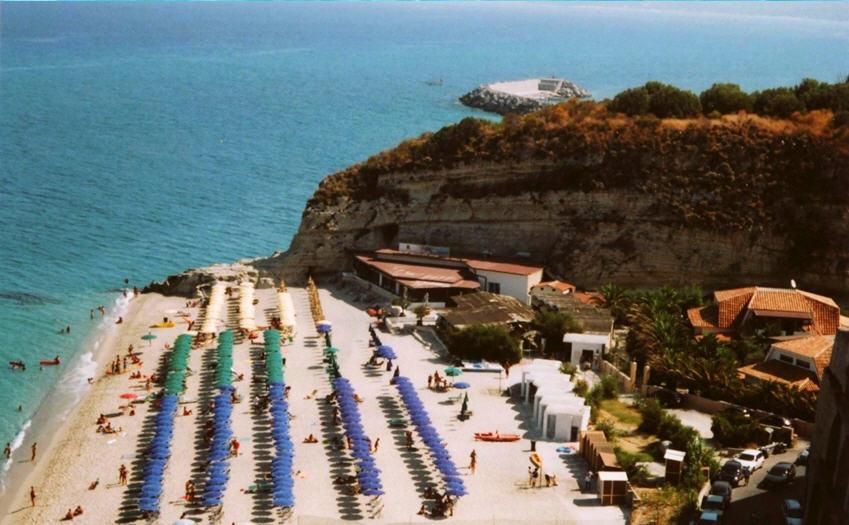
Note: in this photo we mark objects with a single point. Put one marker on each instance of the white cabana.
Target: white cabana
(213, 319)
(247, 315)
(555, 410)
(287, 312)
(565, 421)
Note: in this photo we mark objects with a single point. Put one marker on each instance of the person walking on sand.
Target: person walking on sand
(32, 496)
(122, 474)
(34, 449)
(376, 445)
(473, 461)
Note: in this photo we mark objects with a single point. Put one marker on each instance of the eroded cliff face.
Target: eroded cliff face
(600, 200)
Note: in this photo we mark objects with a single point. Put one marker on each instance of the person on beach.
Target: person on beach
(32, 496)
(94, 484)
(135, 291)
(310, 439)
(120, 320)
(8, 451)
(473, 461)
(78, 510)
(234, 447)
(69, 516)
(429, 382)
(122, 474)
(409, 437)
(34, 449)
(102, 310)
(124, 292)
(376, 445)
(91, 314)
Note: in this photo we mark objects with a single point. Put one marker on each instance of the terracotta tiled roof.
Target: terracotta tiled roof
(811, 346)
(769, 302)
(486, 308)
(419, 275)
(502, 267)
(704, 317)
(780, 372)
(779, 300)
(817, 348)
(557, 285)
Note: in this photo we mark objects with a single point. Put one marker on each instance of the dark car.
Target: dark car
(668, 398)
(802, 459)
(733, 472)
(781, 473)
(737, 409)
(722, 489)
(774, 420)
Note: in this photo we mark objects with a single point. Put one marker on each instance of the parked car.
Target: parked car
(710, 517)
(751, 459)
(792, 512)
(802, 458)
(737, 409)
(723, 490)
(733, 472)
(713, 503)
(781, 473)
(775, 421)
(668, 398)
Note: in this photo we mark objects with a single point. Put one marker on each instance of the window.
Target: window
(803, 364)
(493, 288)
(786, 358)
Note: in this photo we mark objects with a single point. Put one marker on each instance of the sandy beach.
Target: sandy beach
(498, 491)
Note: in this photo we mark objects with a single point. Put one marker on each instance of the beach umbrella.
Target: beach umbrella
(149, 338)
(128, 395)
(453, 371)
(461, 384)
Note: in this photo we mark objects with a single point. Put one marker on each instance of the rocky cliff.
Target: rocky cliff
(601, 198)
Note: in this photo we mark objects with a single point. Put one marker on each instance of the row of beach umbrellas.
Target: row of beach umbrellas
(247, 313)
(159, 450)
(218, 472)
(214, 316)
(281, 466)
(421, 421)
(368, 474)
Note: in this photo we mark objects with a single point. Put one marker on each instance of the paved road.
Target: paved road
(766, 502)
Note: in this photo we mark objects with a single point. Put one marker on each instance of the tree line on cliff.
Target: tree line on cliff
(666, 101)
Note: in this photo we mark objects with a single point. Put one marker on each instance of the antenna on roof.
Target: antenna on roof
(793, 283)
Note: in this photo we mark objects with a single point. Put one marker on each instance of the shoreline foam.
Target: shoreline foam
(66, 395)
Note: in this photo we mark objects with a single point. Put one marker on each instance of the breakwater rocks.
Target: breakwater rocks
(186, 284)
(522, 96)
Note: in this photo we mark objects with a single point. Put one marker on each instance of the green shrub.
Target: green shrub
(777, 102)
(552, 326)
(733, 429)
(493, 343)
(637, 474)
(581, 387)
(609, 386)
(725, 98)
(822, 95)
(568, 368)
(634, 101)
(652, 413)
(667, 101)
(610, 431)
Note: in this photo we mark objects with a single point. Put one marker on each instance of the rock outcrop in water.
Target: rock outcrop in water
(523, 96)
(600, 198)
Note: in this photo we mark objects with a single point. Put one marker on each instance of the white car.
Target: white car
(751, 459)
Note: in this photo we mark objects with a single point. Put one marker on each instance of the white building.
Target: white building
(587, 347)
(556, 411)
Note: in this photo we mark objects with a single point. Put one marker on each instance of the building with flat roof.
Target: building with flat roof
(485, 308)
(434, 276)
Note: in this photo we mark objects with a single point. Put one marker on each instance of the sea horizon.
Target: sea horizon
(153, 143)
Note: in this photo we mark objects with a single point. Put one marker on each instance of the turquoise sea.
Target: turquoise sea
(138, 139)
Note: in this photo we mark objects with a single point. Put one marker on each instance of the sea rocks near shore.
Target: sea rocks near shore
(186, 283)
(522, 96)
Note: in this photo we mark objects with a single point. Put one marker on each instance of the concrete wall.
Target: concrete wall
(517, 286)
(624, 381)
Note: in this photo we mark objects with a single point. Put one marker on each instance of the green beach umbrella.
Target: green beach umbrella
(149, 338)
(452, 371)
